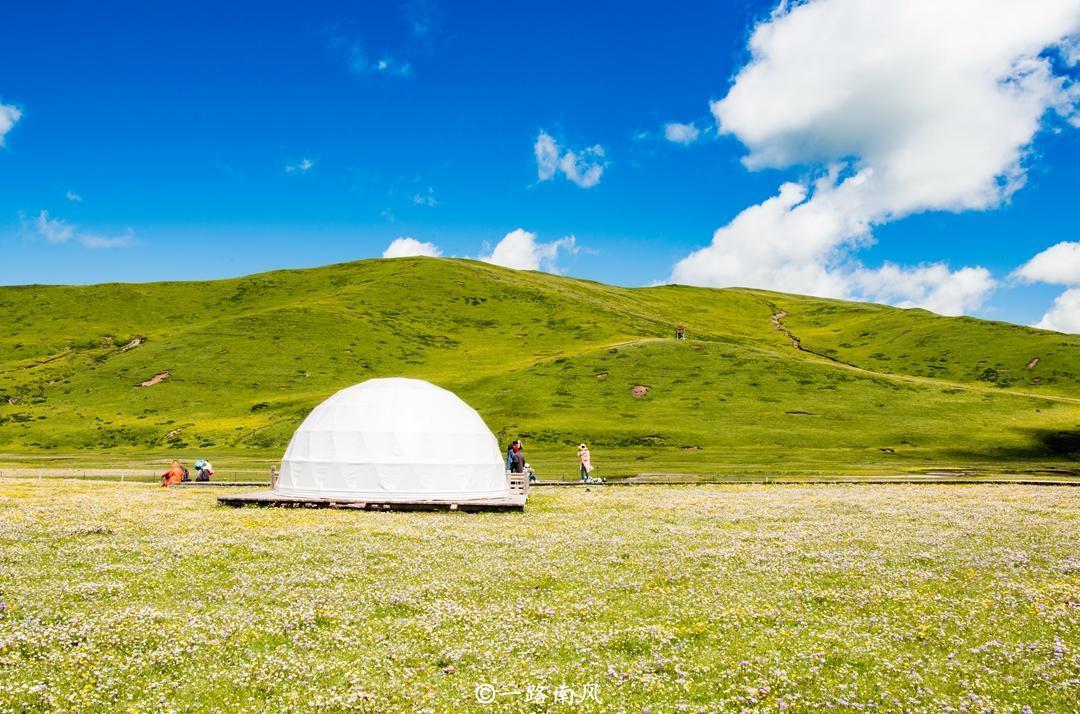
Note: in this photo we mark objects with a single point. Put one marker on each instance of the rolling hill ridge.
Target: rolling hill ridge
(765, 382)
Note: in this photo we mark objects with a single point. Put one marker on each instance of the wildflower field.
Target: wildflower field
(123, 596)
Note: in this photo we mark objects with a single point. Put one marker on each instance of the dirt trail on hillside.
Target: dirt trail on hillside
(778, 325)
(824, 359)
(62, 355)
(69, 352)
(777, 317)
(536, 361)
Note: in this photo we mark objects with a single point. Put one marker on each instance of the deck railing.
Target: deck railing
(518, 483)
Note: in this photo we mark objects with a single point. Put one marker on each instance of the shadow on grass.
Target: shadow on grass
(1043, 444)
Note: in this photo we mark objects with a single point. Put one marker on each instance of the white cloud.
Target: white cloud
(584, 166)
(1070, 50)
(72, 196)
(301, 167)
(783, 242)
(1064, 315)
(53, 230)
(1059, 264)
(788, 243)
(9, 116)
(56, 230)
(92, 240)
(547, 156)
(681, 133)
(425, 199)
(907, 107)
(947, 92)
(405, 247)
(934, 287)
(520, 250)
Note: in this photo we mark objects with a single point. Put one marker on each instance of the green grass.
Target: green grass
(127, 597)
(545, 357)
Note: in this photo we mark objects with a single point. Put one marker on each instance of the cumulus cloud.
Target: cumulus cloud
(520, 250)
(1057, 265)
(903, 108)
(681, 133)
(784, 241)
(934, 287)
(584, 166)
(9, 116)
(788, 242)
(300, 167)
(405, 247)
(1064, 314)
(57, 230)
(72, 196)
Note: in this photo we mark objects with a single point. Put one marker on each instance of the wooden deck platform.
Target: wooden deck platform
(229, 484)
(515, 502)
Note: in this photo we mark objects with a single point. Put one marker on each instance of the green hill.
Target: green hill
(232, 367)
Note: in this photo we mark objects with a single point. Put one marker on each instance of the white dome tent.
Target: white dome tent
(392, 441)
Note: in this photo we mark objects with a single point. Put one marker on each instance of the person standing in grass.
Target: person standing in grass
(586, 462)
(510, 455)
(518, 458)
(514, 448)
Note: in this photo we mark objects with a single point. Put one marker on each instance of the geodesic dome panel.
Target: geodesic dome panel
(393, 439)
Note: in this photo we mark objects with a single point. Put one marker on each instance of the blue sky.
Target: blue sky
(183, 141)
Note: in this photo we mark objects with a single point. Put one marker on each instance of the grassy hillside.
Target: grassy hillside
(233, 366)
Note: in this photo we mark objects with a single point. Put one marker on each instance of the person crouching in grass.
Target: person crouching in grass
(203, 470)
(174, 475)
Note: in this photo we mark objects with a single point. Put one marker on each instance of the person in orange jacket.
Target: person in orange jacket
(173, 475)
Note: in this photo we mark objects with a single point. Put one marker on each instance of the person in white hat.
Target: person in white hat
(586, 462)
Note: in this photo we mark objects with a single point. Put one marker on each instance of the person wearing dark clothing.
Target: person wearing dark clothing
(518, 466)
(515, 447)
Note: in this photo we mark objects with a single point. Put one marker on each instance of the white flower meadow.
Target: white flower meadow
(712, 598)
